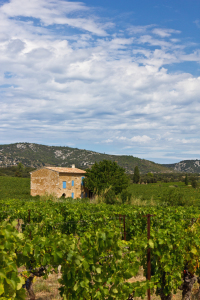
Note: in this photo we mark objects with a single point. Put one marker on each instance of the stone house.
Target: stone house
(67, 182)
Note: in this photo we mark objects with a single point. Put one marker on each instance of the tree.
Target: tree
(186, 180)
(194, 182)
(20, 167)
(104, 175)
(136, 176)
(150, 174)
(19, 170)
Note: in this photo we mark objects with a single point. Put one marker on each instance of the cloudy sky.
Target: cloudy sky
(113, 76)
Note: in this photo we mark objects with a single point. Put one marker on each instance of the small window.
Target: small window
(82, 183)
(72, 182)
(73, 195)
(64, 185)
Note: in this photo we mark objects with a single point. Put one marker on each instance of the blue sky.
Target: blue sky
(120, 77)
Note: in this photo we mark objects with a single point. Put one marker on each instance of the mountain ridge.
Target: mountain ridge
(37, 155)
(186, 166)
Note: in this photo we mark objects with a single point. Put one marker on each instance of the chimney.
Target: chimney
(73, 166)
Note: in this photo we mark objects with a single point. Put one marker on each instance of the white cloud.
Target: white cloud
(89, 86)
(164, 32)
(139, 29)
(54, 13)
(135, 139)
(141, 139)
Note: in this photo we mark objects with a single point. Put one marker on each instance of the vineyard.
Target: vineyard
(99, 248)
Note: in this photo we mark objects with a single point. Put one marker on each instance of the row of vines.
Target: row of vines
(87, 241)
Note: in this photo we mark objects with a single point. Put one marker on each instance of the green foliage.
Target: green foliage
(10, 281)
(194, 182)
(104, 175)
(110, 197)
(15, 187)
(95, 262)
(125, 196)
(15, 171)
(136, 176)
(150, 174)
(158, 191)
(20, 167)
(49, 197)
(174, 197)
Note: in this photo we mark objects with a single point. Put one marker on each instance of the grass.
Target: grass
(156, 191)
(15, 188)
(47, 289)
(142, 194)
(42, 286)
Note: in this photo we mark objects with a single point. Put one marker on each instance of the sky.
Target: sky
(117, 77)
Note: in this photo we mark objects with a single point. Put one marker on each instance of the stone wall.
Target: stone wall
(51, 182)
(77, 189)
(44, 181)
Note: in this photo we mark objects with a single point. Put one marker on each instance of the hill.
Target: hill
(35, 156)
(187, 166)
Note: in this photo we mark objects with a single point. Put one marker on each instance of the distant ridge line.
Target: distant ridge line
(37, 156)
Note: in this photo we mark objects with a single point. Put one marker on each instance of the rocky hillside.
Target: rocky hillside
(187, 166)
(35, 155)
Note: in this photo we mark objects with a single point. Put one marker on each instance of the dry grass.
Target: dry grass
(139, 202)
(47, 197)
(46, 289)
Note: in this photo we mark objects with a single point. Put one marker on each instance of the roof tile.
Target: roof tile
(66, 170)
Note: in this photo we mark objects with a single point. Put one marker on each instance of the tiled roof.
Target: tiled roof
(66, 170)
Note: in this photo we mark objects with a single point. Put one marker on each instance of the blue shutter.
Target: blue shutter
(72, 182)
(73, 195)
(64, 185)
(85, 195)
(82, 180)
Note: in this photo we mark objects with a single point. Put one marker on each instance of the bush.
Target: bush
(125, 196)
(110, 197)
(49, 197)
(174, 197)
(194, 182)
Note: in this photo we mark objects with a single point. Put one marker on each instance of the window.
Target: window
(85, 195)
(72, 182)
(82, 183)
(73, 195)
(64, 185)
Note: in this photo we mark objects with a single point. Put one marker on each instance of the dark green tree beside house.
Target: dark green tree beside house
(106, 175)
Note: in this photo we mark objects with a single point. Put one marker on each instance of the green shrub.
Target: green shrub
(174, 197)
(194, 182)
(125, 196)
(110, 197)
